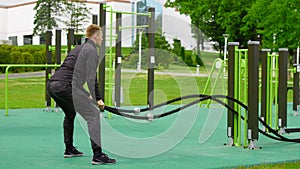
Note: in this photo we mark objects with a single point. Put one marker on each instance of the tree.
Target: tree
(47, 13)
(245, 20)
(162, 50)
(277, 22)
(215, 18)
(144, 44)
(77, 15)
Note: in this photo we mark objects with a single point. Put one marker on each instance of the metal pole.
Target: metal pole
(231, 88)
(253, 75)
(71, 39)
(57, 53)
(225, 45)
(151, 57)
(48, 70)
(265, 81)
(58, 46)
(282, 89)
(295, 86)
(101, 73)
(140, 50)
(110, 72)
(118, 59)
(95, 19)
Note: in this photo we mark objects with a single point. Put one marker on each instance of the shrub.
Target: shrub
(17, 59)
(188, 59)
(22, 55)
(4, 55)
(28, 59)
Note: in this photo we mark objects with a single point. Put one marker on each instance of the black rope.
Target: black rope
(163, 104)
(203, 97)
(123, 113)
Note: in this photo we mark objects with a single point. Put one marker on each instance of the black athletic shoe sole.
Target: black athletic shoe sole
(101, 163)
(72, 155)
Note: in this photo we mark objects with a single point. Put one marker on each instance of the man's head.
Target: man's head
(94, 32)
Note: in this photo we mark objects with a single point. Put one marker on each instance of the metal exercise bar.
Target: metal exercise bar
(282, 88)
(151, 58)
(265, 94)
(231, 90)
(118, 59)
(48, 70)
(20, 65)
(253, 75)
(101, 68)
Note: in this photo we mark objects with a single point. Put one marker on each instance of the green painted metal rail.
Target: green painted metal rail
(241, 56)
(217, 64)
(8, 66)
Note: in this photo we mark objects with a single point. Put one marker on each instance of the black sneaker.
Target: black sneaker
(72, 153)
(103, 159)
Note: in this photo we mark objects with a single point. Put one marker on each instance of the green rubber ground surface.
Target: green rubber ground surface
(32, 139)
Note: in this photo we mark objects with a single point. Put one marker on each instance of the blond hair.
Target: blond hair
(92, 29)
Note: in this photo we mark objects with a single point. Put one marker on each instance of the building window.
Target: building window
(27, 39)
(14, 40)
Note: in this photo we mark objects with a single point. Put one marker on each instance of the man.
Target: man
(66, 88)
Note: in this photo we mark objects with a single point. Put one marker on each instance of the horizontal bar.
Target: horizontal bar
(242, 50)
(130, 27)
(130, 13)
(20, 65)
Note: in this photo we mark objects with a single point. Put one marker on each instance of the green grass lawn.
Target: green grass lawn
(30, 92)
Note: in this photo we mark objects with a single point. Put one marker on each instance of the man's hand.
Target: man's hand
(101, 104)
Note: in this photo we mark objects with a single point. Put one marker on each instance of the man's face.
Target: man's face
(98, 38)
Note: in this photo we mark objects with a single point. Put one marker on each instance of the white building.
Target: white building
(17, 16)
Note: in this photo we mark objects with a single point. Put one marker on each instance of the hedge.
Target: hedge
(29, 54)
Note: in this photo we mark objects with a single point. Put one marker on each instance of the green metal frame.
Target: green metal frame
(241, 77)
(272, 95)
(8, 66)
(110, 52)
(219, 73)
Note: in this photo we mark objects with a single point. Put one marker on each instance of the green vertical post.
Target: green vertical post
(275, 64)
(110, 73)
(295, 86)
(245, 96)
(282, 89)
(151, 58)
(237, 94)
(253, 75)
(271, 65)
(231, 90)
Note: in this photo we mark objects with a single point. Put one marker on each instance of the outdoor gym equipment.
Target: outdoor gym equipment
(118, 55)
(274, 87)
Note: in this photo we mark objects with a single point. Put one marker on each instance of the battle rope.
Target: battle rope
(203, 97)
